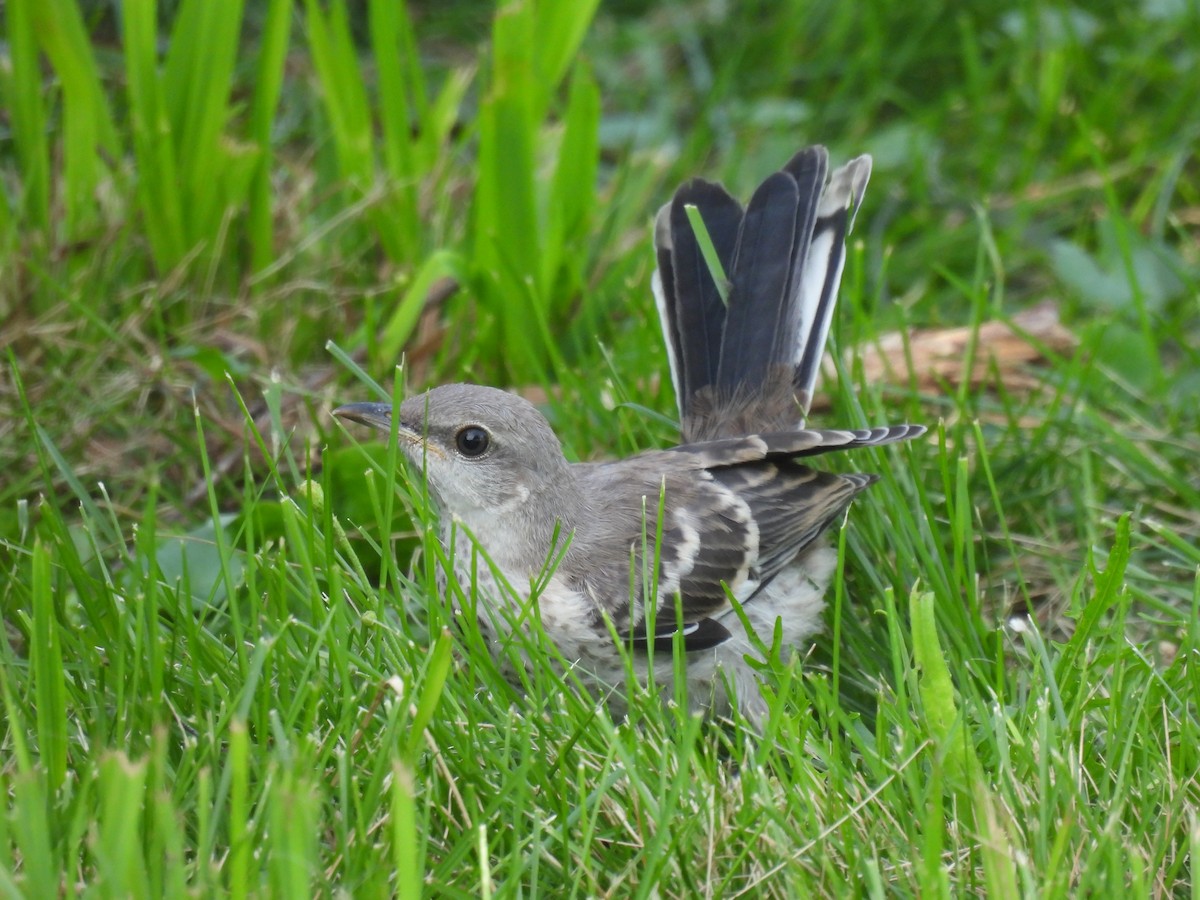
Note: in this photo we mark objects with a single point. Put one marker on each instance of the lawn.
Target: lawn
(224, 665)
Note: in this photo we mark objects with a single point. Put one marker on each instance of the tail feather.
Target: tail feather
(821, 271)
(795, 444)
(690, 307)
(809, 167)
(784, 257)
(762, 268)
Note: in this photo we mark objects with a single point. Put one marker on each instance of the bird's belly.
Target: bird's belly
(505, 604)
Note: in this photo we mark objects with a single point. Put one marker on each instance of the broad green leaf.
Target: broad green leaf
(194, 560)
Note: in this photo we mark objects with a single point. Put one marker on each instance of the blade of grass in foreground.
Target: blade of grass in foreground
(47, 662)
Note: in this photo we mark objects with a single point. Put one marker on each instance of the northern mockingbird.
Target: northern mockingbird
(734, 513)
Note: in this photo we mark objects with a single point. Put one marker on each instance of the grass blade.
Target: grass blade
(87, 123)
(27, 113)
(49, 682)
(272, 55)
(158, 181)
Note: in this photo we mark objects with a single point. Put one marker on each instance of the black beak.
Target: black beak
(377, 415)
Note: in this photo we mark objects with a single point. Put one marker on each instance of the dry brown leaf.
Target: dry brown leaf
(933, 358)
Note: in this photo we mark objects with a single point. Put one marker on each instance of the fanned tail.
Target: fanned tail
(752, 366)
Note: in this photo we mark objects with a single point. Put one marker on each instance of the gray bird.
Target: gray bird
(663, 543)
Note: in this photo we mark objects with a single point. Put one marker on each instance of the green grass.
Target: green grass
(224, 671)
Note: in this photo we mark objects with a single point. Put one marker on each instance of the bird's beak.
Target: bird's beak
(377, 415)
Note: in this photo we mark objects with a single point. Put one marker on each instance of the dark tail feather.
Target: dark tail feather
(754, 365)
(690, 308)
(758, 293)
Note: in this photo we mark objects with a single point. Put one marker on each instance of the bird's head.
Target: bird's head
(483, 451)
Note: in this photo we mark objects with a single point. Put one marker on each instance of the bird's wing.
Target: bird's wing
(728, 534)
(708, 520)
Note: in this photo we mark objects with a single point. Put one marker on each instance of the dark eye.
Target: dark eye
(472, 441)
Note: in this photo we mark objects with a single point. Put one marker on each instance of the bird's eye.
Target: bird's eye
(472, 441)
